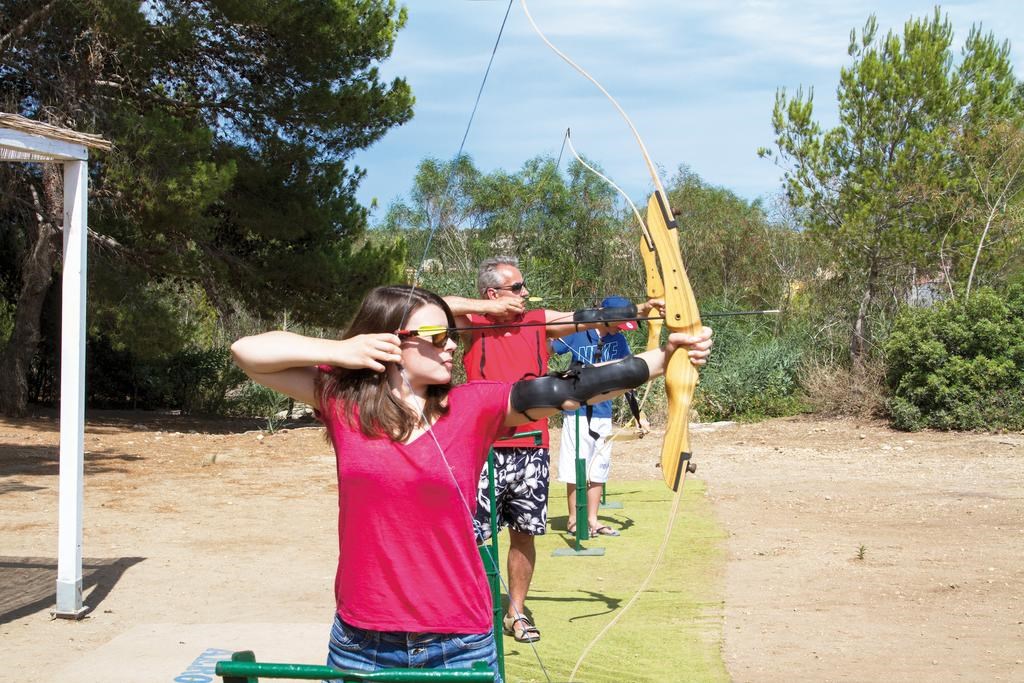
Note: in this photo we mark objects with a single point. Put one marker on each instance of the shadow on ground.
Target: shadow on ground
(29, 584)
(36, 460)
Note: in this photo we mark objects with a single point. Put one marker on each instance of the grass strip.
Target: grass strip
(674, 630)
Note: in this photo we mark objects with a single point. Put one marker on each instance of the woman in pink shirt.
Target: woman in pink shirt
(410, 588)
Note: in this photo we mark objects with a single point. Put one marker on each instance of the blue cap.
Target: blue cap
(619, 302)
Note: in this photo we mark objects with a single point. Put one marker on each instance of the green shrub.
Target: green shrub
(753, 370)
(959, 365)
(752, 381)
(256, 400)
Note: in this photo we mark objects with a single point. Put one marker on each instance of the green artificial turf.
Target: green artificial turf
(674, 630)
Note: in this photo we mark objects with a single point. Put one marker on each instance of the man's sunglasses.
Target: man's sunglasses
(438, 336)
(515, 287)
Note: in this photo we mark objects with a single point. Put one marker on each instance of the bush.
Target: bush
(835, 390)
(191, 380)
(752, 373)
(256, 400)
(752, 381)
(959, 365)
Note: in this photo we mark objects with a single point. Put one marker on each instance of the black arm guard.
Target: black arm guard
(578, 384)
(596, 315)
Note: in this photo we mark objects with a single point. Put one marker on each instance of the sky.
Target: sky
(697, 77)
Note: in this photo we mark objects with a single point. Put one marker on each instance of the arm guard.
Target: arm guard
(596, 315)
(578, 384)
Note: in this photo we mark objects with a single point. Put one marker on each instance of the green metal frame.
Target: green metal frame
(490, 556)
(582, 528)
(243, 668)
(605, 505)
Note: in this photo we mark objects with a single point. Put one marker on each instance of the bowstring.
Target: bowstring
(643, 228)
(415, 282)
(455, 162)
(659, 188)
(428, 428)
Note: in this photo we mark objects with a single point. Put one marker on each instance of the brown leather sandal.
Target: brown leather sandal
(527, 633)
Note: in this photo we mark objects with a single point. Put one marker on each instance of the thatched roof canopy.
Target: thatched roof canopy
(20, 124)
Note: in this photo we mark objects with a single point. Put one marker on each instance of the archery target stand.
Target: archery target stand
(582, 522)
(605, 505)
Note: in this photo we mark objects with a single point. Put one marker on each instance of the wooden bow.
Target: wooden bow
(666, 279)
(681, 315)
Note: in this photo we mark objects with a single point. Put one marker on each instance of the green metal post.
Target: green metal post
(582, 529)
(244, 669)
(614, 505)
(582, 521)
(489, 555)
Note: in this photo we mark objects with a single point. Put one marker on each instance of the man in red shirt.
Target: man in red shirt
(516, 348)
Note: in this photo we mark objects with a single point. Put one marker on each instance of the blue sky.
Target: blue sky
(697, 77)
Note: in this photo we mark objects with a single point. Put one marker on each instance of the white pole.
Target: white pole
(72, 393)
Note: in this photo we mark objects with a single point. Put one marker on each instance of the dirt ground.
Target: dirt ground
(855, 553)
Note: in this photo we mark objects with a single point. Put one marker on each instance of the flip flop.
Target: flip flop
(604, 531)
(528, 633)
(571, 528)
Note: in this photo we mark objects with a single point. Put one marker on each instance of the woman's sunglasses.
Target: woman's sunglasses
(438, 336)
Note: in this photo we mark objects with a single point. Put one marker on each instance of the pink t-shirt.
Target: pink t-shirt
(408, 559)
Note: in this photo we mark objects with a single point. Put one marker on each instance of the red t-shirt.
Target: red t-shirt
(509, 354)
(408, 559)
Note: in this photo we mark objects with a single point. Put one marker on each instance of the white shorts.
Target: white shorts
(598, 454)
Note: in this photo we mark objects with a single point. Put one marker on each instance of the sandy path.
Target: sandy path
(938, 594)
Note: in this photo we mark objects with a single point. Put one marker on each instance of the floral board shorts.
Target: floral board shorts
(520, 490)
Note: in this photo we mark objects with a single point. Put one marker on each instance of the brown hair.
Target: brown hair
(364, 394)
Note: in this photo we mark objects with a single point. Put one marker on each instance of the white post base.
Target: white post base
(69, 600)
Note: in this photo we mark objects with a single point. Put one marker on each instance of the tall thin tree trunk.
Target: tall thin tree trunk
(860, 336)
(36, 276)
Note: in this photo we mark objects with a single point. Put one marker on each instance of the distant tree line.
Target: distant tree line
(228, 205)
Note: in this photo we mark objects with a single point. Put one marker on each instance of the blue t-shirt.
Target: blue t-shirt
(583, 347)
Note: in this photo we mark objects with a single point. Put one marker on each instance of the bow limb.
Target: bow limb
(681, 315)
(655, 286)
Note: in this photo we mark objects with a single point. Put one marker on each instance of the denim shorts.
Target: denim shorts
(357, 649)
